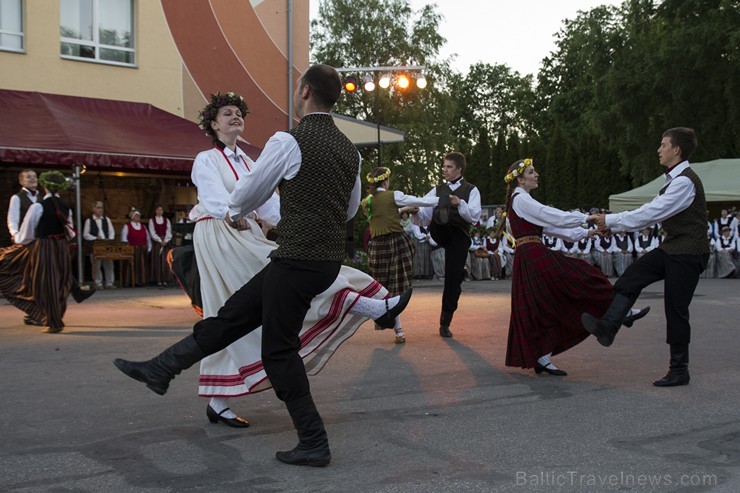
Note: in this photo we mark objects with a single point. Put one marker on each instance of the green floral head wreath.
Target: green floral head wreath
(218, 101)
(53, 181)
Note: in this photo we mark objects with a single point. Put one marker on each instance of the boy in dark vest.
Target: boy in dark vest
(680, 258)
(449, 224)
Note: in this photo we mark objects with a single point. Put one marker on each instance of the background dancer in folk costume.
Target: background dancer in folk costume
(548, 289)
(282, 292)
(41, 288)
(390, 251)
(449, 223)
(135, 234)
(160, 232)
(679, 260)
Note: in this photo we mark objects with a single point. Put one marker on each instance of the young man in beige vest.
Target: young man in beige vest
(680, 259)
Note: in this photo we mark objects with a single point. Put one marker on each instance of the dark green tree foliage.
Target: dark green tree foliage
(619, 77)
(478, 169)
(552, 182)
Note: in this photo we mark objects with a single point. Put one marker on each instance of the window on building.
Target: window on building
(11, 25)
(98, 30)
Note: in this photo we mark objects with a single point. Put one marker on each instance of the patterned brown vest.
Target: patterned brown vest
(313, 204)
(687, 230)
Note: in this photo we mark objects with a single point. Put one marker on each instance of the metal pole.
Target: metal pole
(78, 217)
(291, 115)
(377, 123)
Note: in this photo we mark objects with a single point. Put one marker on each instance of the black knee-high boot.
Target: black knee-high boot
(158, 371)
(313, 444)
(678, 369)
(606, 329)
(444, 324)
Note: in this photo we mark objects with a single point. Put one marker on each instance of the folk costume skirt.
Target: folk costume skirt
(391, 261)
(549, 292)
(226, 260)
(37, 279)
(159, 268)
(423, 260)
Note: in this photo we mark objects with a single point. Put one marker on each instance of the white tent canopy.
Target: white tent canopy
(721, 180)
(363, 133)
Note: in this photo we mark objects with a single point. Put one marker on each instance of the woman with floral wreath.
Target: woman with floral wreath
(229, 253)
(549, 290)
(42, 287)
(390, 251)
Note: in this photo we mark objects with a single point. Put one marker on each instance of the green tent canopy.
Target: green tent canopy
(721, 179)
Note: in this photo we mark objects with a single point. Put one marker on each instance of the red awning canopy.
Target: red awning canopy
(105, 135)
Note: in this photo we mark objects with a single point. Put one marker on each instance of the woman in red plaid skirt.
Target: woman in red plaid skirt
(390, 251)
(549, 291)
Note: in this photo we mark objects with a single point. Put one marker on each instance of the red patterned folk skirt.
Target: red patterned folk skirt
(391, 261)
(549, 292)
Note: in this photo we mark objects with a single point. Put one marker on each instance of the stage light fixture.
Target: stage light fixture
(403, 82)
(368, 83)
(421, 81)
(350, 84)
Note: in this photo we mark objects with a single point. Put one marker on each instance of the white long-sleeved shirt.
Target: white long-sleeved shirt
(27, 232)
(676, 198)
(418, 234)
(403, 200)
(469, 210)
(137, 227)
(561, 224)
(153, 232)
(615, 248)
(99, 223)
(725, 244)
(14, 211)
(557, 245)
(280, 159)
(598, 245)
(652, 243)
(213, 197)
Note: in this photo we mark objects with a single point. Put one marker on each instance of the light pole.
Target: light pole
(371, 83)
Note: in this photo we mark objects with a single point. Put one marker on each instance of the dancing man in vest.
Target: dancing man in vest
(680, 258)
(449, 224)
(316, 169)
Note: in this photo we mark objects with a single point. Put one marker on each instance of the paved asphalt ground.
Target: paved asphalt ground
(432, 415)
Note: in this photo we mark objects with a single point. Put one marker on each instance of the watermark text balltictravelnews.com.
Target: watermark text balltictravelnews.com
(545, 479)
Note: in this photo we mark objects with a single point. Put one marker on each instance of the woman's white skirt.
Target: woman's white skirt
(227, 259)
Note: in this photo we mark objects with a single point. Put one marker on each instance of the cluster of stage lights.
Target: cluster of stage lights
(402, 82)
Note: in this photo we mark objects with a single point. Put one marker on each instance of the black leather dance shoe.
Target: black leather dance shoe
(538, 368)
(388, 320)
(215, 417)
